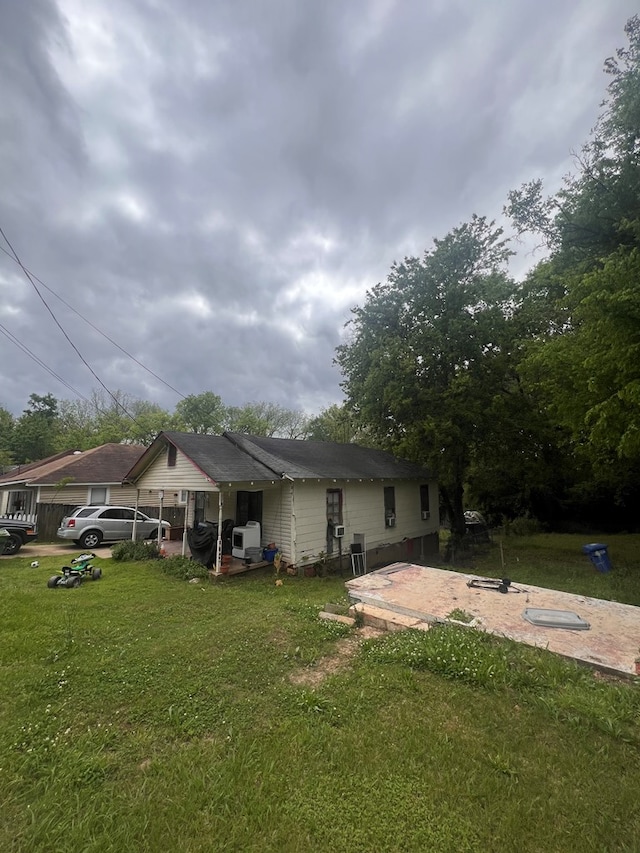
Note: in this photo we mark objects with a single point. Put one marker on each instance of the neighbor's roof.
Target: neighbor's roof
(108, 463)
(233, 457)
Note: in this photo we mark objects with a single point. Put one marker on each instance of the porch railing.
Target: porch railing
(30, 517)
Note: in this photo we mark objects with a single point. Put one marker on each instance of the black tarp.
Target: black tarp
(202, 540)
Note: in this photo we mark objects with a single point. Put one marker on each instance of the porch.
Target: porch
(18, 504)
(173, 547)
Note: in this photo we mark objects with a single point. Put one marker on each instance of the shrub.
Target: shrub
(524, 525)
(129, 551)
(183, 568)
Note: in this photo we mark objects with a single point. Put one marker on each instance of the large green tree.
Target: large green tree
(584, 363)
(268, 419)
(34, 436)
(429, 352)
(201, 413)
(7, 426)
(335, 423)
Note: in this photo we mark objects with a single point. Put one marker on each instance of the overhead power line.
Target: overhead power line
(25, 349)
(58, 324)
(90, 323)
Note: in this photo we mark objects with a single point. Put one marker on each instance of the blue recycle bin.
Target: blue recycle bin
(599, 556)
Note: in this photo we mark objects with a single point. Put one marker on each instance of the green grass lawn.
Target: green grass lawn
(141, 713)
(557, 561)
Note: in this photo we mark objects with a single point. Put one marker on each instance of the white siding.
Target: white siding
(362, 513)
(276, 517)
(183, 475)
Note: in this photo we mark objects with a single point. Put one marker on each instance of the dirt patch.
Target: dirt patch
(345, 649)
(62, 550)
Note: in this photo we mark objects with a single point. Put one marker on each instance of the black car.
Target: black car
(20, 532)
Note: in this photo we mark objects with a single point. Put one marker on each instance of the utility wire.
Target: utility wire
(93, 326)
(56, 321)
(25, 349)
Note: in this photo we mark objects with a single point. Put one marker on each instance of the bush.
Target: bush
(183, 568)
(524, 525)
(130, 551)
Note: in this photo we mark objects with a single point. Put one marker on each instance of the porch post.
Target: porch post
(161, 498)
(134, 530)
(186, 522)
(219, 542)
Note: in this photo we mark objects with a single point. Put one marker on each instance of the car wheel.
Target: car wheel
(13, 545)
(73, 583)
(90, 539)
(96, 574)
(52, 583)
(153, 534)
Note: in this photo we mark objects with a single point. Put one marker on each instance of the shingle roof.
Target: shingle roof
(328, 459)
(20, 472)
(219, 458)
(233, 457)
(108, 463)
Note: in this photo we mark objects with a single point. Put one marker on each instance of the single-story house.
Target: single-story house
(310, 498)
(40, 491)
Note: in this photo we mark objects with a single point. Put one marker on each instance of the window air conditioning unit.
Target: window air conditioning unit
(390, 522)
(426, 515)
(338, 531)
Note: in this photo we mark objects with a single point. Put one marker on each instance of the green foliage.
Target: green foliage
(430, 351)
(523, 525)
(140, 713)
(563, 688)
(337, 423)
(267, 419)
(183, 568)
(582, 305)
(34, 434)
(201, 413)
(129, 551)
(7, 426)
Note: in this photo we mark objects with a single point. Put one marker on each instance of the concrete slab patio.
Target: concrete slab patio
(429, 595)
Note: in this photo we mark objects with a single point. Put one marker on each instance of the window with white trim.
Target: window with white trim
(98, 495)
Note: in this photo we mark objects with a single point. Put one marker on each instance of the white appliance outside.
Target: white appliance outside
(245, 537)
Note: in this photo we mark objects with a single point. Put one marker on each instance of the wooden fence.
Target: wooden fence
(50, 516)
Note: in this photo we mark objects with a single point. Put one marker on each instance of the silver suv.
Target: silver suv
(88, 526)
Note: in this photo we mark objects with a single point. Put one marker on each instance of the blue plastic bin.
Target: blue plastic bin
(599, 556)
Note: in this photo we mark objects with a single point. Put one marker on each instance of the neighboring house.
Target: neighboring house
(300, 492)
(71, 478)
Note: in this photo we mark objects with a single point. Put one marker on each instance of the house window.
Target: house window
(248, 507)
(183, 496)
(334, 515)
(389, 506)
(171, 456)
(425, 512)
(98, 495)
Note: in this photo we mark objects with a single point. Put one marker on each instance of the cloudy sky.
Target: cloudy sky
(215, 183)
